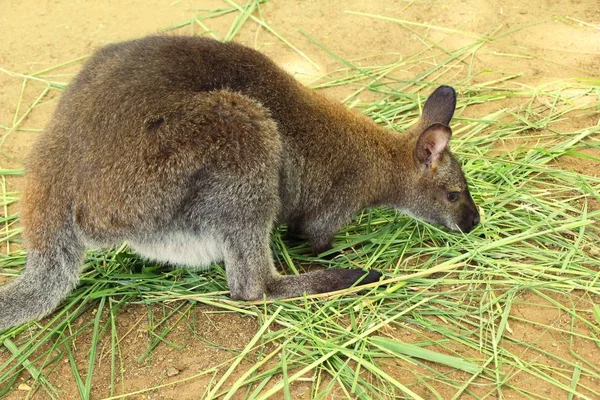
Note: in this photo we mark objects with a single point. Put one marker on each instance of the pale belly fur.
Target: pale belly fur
(182, 248)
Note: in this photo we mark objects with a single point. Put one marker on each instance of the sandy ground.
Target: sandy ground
(556, 40)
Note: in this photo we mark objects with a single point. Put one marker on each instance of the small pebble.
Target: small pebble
(172, 371)
(24, 387)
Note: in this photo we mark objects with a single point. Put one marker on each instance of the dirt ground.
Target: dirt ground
(564, 37)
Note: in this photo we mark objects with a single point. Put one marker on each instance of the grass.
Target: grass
(511, 308)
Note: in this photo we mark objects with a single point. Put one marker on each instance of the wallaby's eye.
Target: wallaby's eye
(452, 196)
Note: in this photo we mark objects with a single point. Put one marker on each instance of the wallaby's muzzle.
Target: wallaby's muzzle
(469, 215)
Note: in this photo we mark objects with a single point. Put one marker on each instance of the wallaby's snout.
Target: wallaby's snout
(469, 214)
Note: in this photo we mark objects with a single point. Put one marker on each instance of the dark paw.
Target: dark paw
(359, 277)
(370, 276)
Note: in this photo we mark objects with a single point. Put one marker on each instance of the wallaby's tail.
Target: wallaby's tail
(48, 278)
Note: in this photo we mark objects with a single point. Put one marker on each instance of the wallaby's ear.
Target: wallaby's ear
(431, 143)
(439, 107)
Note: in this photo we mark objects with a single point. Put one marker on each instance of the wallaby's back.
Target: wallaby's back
(157, 80)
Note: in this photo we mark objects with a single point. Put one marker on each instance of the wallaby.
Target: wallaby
(192, 150)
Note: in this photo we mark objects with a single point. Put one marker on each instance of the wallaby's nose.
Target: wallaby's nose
(470, 219)
(476, 220)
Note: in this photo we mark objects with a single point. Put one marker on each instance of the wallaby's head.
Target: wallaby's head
(438, 191)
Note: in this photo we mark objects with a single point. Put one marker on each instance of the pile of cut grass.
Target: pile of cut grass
(456, 317)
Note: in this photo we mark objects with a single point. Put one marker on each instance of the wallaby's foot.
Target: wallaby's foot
(359, 277)
(320, 282)
(251, 274)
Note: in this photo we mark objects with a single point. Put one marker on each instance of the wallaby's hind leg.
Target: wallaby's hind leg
(252, 274)
(249, 264)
